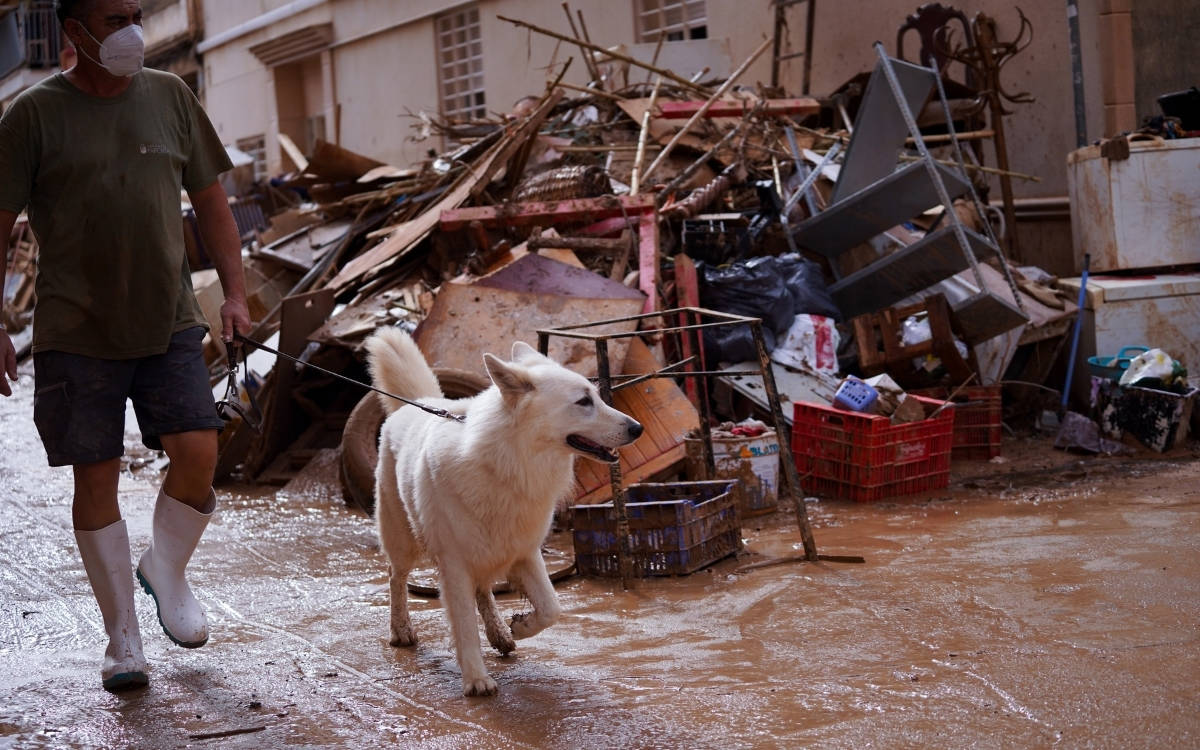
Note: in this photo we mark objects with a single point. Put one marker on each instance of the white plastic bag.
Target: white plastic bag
(811, 342)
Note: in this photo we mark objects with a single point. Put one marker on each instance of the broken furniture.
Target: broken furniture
(879, 338)
(871, 196)
(639, 209)
(688, 322)
(934, 26)
(985, 57)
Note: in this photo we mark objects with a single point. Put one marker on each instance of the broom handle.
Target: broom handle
(1087, 260)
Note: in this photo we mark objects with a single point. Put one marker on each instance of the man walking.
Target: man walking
(98, 156)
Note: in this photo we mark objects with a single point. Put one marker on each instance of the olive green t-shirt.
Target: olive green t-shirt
(101, 178)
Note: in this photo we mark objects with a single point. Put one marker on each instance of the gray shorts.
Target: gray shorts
(79, 402)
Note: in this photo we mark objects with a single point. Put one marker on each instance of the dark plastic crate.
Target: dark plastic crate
(674, 529)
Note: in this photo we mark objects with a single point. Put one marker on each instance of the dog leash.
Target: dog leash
(423, 407)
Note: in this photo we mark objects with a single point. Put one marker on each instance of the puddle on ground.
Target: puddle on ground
(1059, 611)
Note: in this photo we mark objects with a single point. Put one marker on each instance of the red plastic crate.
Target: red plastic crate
(978, 413)
(865, 457)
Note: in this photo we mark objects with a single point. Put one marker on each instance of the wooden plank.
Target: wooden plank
(648, 266)
(470, 186)
(468, 320)
(411, 232)
(547, 213)
(665, 413)
(681, 110)
(687, 294)
(293, 152)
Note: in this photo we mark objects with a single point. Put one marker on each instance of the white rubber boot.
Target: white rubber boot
(105, 554)
(177, 529)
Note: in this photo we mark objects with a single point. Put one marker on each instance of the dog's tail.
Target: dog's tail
(397, 366)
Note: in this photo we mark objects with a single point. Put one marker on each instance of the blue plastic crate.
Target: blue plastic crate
(674, 529)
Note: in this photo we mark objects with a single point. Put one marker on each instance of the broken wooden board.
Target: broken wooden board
(682, 110)
(547, 213)
(665, 413)
(411, 232)
(468, 320)
(301, 249)
(336, 164)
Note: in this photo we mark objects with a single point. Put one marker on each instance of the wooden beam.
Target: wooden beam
(648, 270)
(548, 213)
(682, 110)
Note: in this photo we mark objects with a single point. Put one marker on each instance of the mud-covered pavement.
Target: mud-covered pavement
(1046, 601)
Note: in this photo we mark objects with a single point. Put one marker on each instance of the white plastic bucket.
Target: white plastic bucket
(752, 461)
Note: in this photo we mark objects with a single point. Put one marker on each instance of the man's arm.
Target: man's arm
(224, 248)
(8, 354)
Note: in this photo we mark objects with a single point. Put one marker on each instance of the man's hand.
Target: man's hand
(235, 318)
(8, 359)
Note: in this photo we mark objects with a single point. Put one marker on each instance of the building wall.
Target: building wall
(384, 63)
(1166, 36)
(1039, 135)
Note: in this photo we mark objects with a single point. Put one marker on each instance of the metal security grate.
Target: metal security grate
(678, 19)
(460, 65)
(256, 147)
(41, 33)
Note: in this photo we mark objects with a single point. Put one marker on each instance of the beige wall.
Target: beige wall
(384, 63)
(384, 66)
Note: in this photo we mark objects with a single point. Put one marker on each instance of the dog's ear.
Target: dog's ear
(512, 380)
(522, 352)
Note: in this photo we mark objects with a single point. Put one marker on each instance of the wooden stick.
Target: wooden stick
(970, 135)
(662, 37)
(641, 147)
(988, 170)
(224, 733)
(588, 62)
(662, 155)
(611, 53)
(586, 90)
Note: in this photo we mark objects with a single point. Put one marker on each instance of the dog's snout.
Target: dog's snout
(634, 428)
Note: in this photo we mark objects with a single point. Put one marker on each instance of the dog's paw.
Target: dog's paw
(504, 643)
(522, 625)
(404, 636)
(479, 687)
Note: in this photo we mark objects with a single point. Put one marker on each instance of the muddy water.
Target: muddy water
(1049, 601)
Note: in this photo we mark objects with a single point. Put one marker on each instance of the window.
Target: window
(314, 130)
(256, 147)
(460, 65)
(680, 19)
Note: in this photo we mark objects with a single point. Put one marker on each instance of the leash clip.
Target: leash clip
(231, 406)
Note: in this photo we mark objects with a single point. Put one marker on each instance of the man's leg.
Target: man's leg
(79, 409)
(193, 457)
(95, 504)
(103, 543)
(184, 507)
(175, 410)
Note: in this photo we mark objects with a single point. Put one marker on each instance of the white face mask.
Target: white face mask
(121, 52)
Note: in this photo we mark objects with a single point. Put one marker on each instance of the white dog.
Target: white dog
(479, 495)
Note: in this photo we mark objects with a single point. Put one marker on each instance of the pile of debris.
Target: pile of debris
(611, 200)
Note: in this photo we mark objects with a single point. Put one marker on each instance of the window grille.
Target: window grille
(460, 65)
(680, 19)
(256, 147)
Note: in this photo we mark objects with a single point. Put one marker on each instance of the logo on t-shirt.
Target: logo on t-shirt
(151, 148)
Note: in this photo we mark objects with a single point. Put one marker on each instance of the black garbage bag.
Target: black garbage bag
(754, 288)
(805, 281)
